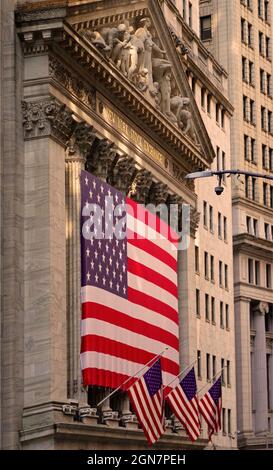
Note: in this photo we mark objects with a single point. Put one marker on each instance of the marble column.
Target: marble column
(243, 361)
(260, 372)
(78, 148)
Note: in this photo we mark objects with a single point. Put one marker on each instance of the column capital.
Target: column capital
(80, 143)
(262, 308)
(141, 186)
(123, 173)
(47, 117)
(242, 298)
(194, 220)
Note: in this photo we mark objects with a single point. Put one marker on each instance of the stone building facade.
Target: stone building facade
(239, 34)
(73, 96)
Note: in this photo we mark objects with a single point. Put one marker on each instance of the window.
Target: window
(268, 276)
(263, 126)
(248, 224)
(266, 231)
(261, 43)
(227, 317)
(208, 103)
(205, 27)
(218, 158)
(223, 371)
(226, 276)
(250, 271)
(197, 302)
(206, 264)
(262, 80)
(228, 373)
(217, 113)
(220, 273)
(225, 228)
(199, 365)
(229, 421)
(271, 159)
(219, 225)
(211, 218)
(249, 34)
(246, 139)
(208, 367)
(253, 183)
(245, 108)
(257, 273)
(224, 164)
(205, 214)
(260, 7)
(243, 29)
(214, 371)
(184, 9)
(266, 10)
(264, 155)
(265, 194)
(213, 310)
(222, 315)
(247, 186)
(244, 69)
(224, 430)
(197, 259)
(252, 112)
(207, 307)
(251, 72)
(267, 48)
(256, 227)
(268, 85)
(212, 268)
(190, 15)
(271, 197)
(269, 121)
(203, 94)
(223, 113)
(193, 85)
(252, 150)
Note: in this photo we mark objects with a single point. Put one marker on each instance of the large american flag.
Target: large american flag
(183, 401)
(129, 288)
(146, 396)
(210, 407)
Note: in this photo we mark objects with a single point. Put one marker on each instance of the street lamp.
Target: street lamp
(220, 173)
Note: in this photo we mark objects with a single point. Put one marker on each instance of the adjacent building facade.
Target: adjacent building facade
(239, 34)
(71, 98)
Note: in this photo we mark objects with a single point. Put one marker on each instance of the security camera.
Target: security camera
(219, 190)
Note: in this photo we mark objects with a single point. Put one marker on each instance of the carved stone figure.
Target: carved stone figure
(179, 105)
(165, 90)
(143, 80)
(96, 38)
(115, 38)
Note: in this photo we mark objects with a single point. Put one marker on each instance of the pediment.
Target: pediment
(137, 41)
(127, 47)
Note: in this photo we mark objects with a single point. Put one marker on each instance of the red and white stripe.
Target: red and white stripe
(120, 335)
(149, 410)
(211, 412)
(186, 411)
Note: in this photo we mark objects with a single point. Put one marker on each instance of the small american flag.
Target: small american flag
(129, 287)
(183, 401)
(211, 407)
(146, 396)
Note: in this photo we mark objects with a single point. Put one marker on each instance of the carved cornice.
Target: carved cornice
(47, 117)
(85, 93)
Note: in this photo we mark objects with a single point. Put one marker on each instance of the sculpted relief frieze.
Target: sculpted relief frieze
(133, 48)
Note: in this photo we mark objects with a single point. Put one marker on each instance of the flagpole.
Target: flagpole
(182, 372)
(206, 385)
(136, 373)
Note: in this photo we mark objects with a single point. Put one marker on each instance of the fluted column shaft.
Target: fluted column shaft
(260, 374)
(74, 165)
